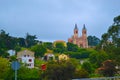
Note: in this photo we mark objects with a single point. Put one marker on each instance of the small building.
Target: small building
(49, 56)
(63, 57)
(26, 57)
(11, 52)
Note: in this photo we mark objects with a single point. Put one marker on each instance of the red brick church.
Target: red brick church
(80, 41)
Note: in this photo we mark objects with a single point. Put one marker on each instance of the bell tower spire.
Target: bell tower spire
(75, 27)
(84, 37)
(76, 31)
(84, 31)
(84, 28)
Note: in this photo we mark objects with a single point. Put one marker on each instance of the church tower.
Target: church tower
(75, 36)
(76, 31)
(84, 37)
(84, 31)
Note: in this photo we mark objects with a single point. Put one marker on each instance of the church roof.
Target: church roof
(76, 26)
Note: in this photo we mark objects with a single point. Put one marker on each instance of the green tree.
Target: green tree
(6, 41)
(17, 48)
(81, 53)
(59, 71)
(30, 40)
(98, 58)
(39, 50)
(72, 47)
(93, 40)
(21, 42)
(117, 20)
(88, 67)
(48, 45)
(81, 73)
(28, 74)
(115, 55)
(3, 39)
(111, 40)
(59, 47)
(113, 34)
(12, 58)
(4, 68)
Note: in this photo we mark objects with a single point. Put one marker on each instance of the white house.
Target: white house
(26, 57)
(11, 52)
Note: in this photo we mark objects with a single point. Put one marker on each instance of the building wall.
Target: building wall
(63, 57)
(29, 61)
(26, 57)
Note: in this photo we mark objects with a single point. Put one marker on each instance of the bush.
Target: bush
(62, 70)
(81, 73)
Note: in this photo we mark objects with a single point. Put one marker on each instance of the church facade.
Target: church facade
(80, 41)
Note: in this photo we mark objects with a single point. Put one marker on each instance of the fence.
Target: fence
(103, 78)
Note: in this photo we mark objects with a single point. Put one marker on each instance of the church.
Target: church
(80, 41)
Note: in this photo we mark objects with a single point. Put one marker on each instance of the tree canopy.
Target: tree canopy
(93, 40)
(111, 40)
(39, 50)
(113, 34)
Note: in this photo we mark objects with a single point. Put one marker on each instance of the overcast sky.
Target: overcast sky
(52, 20)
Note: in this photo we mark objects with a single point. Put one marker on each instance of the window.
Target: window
(64, 58)
(28, 64)
(30, 60)
(76, 31)
(84, 32)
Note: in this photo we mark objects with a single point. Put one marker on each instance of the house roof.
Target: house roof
(25, 52)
